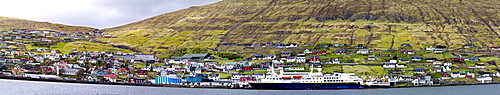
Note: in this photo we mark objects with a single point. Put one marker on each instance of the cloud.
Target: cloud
(93, 13)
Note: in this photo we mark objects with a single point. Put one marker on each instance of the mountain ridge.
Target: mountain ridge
(9, 23)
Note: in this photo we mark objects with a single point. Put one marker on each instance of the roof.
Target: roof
(270, 55)
(389, 63)
(195, 55)
(461, 71)
(419, 69)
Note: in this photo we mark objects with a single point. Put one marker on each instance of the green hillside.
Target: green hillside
(382, 24)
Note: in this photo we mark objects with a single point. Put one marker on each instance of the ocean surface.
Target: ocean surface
(21, 87)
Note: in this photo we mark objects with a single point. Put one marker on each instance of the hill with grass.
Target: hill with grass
(381, 24)
(8, 23)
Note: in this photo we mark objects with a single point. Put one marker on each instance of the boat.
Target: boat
(307, 80)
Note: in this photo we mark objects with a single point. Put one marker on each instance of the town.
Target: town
(34, 54)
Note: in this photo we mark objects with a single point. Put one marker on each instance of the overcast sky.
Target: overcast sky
(93, 13)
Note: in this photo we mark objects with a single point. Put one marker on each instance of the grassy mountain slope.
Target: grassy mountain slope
(7, 24)
(383, 24)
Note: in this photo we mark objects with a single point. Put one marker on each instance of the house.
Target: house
(371, 57)
(445, 75)
(389, 65)
(279, 45)
(69, 71)
(404, 45)
(67, 39)
(484, 79)
(201, 56)
(416, 58)
(474, 59)
(409, 52)
(463, 55)
(338, 45)
(301, 58)
(404, 60)
(3, 68)
(291, 45)
(142, 73)
(286, 53)
(437, 63)
(430, 59)
(400, 65)
(447, 64)
(459, 74)
(238, 76)
(314, 59)
(336, 61)
(291, 59)
(110, 77)
(214, 77)
(419, 70)
(363, 51)
(492, 48)
(144, 56)
(257, 57)
(307, 51)
(393, 65)
(470, 73)
(247, 68)
(323, 45)
(135, 80)
(270, 57)
(341, 51)
(436, 69)
(359, 46)
(320, 53)
(384, 55)
(438, 50)
(308, 44)
(480, 65)
(456, 59)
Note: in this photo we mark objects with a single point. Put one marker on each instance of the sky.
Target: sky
(93, 13)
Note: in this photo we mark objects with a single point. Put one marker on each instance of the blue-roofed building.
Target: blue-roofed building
(419, 70)
(165, 80)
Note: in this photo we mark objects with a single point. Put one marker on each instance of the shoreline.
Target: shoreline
(214, 87)
(109, 83)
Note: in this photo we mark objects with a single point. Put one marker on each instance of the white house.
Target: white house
(307, 51)
(291, 59)
(389, 65)
(363, 51)
(437, 63)
(430, 48)
(336, 61)
(447, 64)
(438, 51)
(270, 57)
(371, 57)
(214, 77)
(484, 79)
(292, 45)
(400, 66)
(446, 68)
(175, 61)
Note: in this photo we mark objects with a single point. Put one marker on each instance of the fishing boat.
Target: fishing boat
(307, 80)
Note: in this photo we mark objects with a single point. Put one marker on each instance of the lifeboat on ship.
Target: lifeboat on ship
(286, 77)
(297, 77)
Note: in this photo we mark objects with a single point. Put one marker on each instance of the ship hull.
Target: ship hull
(305, 86)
